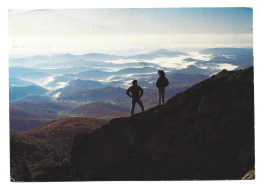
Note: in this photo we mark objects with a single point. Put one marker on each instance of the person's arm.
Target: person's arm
(142, 92)
(128, 92)
(157, 82)
(167, 82)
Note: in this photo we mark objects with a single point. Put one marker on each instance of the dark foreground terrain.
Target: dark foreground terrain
(204, 133)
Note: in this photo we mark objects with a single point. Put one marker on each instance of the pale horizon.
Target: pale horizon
(127, 31)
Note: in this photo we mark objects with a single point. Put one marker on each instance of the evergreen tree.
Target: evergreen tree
(22, 173)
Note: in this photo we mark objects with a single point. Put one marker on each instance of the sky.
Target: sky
(126, 31)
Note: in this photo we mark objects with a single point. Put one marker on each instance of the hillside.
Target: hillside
(24, 120)
(28, 115)
(114, 95)
(41, 109)
(204, 133)
(99, 110)
(60, 133)
(19, 92)
(79, 84)
(31, 98)
(47, 146)
(26, 73)
(20, 124)
(177, 80)
(19, 82)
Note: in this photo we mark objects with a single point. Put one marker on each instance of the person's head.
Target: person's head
(161, 73)
(134, 82)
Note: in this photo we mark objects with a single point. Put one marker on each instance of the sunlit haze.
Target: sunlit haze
(126, 31)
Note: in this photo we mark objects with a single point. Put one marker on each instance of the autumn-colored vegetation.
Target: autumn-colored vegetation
(46, 146)
(99, 110)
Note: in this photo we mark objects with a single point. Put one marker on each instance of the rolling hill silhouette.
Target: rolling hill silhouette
(203, 133)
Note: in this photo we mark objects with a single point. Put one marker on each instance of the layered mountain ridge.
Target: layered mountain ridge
(204, 133)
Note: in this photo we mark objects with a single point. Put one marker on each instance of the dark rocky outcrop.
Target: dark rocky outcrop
(204, 133)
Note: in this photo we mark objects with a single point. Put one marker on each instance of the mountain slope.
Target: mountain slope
(60, 133)
(26, 73)
(20, 124)
(78, 84)
(19, 82)
(47, 146)
(177, 80)
(41, 109)
(24, 120)
(29, 98)
(99, 110)
(20, 92)
(241, 57)
(227, 51)
(116, 95)
(206, 133)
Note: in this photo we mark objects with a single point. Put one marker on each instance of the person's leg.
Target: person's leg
(133, 106)
(162, 95)
(159, 95)
(140, 103)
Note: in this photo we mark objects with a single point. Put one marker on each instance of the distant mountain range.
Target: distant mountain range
(75, 85)
(84, 89)
(39, 98)
(114, 95)
(177, 80)
(20, 92)
(34, 111)
(90, 57)
(47, 86)
(228, 51)
(53, 72)
(242, 57)
(19, 82)
(41, 109)
(99, 110)
(158, 54)
(30, 74)
(28, 115)
(203, 133)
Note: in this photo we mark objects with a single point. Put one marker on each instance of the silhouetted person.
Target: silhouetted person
(161, 83)
(135, 95)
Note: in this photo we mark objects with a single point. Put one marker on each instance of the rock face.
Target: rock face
(204, 133)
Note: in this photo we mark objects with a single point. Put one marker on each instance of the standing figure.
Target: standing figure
(134, 90)
(161, 83)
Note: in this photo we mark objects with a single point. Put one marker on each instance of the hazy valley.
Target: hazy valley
(55, 98)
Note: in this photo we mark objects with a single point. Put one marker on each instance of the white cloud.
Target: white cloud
(56, 95)
(198, 56)
(58, 86)
(175, 62)
(47, 80)
(170, 62)
(62, 84)
(225, 66)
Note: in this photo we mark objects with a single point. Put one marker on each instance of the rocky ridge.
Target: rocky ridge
(203, 133)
